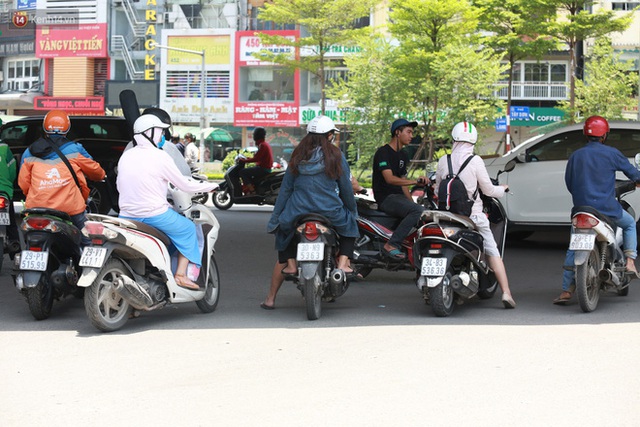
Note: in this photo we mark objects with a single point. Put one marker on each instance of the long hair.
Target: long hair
(332, 154)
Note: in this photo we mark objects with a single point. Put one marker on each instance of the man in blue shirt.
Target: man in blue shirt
(591, 179)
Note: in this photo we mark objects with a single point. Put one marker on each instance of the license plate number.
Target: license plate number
(32, 260)
(582, 242)
(310, 252)
(433, 267)
(93, 257)
(4, 218)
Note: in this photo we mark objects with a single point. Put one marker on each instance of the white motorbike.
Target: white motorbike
(600, 263)
(128, 266)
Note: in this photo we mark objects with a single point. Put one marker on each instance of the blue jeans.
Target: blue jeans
(629, 246)
(399, 206)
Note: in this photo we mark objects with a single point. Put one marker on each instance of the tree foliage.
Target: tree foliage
(325, 23)
(607, 87)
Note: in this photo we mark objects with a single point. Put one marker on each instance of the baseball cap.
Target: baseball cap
(401, 122)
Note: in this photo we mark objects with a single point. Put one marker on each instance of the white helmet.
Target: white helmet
(148, 121)
(465, 132)
(321, 125)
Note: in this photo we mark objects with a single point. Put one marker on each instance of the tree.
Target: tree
(574, 23)
(449, 75)
(517, 29)
(324, 23)
(607, 87)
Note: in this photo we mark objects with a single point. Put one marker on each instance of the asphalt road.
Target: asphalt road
(377, 357)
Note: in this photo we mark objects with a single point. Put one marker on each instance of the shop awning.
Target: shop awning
(210, 133)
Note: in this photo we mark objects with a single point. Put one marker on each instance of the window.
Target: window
(558, 147)
(265, 83)
(330, 76)
(186, 84)
(624, 5)
(536, 72)
(23, 74)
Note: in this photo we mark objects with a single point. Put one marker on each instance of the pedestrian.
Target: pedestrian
(175, 138)
(191, 151)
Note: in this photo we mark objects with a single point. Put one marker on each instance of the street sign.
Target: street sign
(519, 113)
(501, 125)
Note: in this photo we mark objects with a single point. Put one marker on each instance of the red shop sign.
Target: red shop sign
(265, 114)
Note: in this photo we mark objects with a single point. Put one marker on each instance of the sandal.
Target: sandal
(564, 298)
(184, 282)
(394, 253)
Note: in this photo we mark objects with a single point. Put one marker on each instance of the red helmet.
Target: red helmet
(596, 126)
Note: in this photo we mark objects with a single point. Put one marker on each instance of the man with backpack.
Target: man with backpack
(462, 166)
(391, 186)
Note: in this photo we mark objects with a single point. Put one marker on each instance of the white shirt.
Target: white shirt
(143, 176)
(191, 154)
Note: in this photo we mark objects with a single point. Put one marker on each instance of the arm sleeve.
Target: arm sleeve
(625, 166)
(346, 189)
(11, 164)
(484, 182)
(90, 168)
(283, 197)
(172, 174)
(567, 174)
(24, 178)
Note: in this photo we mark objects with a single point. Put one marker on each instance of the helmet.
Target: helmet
(596, 126)
(465, 132)
(400, 123)
(321, 125)
(146, 122)
(56, 121)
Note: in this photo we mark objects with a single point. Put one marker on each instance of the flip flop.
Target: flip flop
(564, 298)
(394, 253)
(354, 277)
(267, 307)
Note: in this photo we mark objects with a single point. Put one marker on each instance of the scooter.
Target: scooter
(449, 253)
(47, 267)
(7, 245)
(317, 276)
(128, 266)
(600, 263)
(230, 190)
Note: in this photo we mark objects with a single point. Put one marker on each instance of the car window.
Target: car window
(14, 135)
(558, 147)
(625, 140)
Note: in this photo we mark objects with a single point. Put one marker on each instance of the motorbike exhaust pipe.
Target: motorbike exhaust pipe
(608, 277)
(464, 285)
(133, 293)
(337, 282)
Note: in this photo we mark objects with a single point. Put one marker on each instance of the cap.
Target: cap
(401, 122)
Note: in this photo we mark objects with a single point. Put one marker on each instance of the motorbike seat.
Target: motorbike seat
(593, 211)
(133, 225)
(313, 217)
(389, 221)
(46, 211)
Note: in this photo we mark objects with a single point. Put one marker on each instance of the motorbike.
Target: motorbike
(7, 245)
(449, 253)
(317, 277)
(47, 267)
(230, 190)
(128, 266)
(600, 263)
(376, 228)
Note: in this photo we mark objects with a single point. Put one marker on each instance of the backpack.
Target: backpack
(452, 194)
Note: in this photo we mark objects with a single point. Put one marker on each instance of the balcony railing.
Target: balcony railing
(545, 91)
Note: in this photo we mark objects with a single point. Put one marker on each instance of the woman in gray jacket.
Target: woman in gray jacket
(318, 180)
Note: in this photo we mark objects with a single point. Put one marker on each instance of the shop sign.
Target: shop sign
(538, 116)
(217, 50)
(338, 116)
(249, 43)
(150, 33)
(70, 104)
(87, 40)
(266, 114)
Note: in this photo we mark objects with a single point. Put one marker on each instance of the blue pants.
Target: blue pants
(629, 245)
(180, 231)
(399, 206)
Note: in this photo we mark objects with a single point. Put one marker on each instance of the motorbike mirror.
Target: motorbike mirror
(522, 157)
(636, 161)
(511, 164)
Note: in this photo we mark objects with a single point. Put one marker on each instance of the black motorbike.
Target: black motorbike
(230, 190)
(8, 244)
(317, 277)
(47, 267)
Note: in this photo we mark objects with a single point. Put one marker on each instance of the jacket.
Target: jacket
(312, 191)
(7, 170)
(46, 180)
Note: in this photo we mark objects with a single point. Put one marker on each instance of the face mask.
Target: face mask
(162, 141)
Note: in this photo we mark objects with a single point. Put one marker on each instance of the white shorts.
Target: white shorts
(482, 224)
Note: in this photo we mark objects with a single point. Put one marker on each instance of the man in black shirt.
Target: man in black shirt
(390, 185)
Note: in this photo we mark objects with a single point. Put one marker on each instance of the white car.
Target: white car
(538, 198)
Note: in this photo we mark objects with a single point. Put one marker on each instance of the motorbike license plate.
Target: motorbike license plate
(93, 257)
(310, 252)
(582, 242)
(32, 260)
(4, 218)
(433, 267)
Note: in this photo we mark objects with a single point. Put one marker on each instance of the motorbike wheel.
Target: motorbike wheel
(222, 200)
(587, 283)
(212, 294)
(40, 298)
(442, 297)
(490, 291)
(1, 252)
(362, 269)
(313, 295)
(106, 309)
(623, 292)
